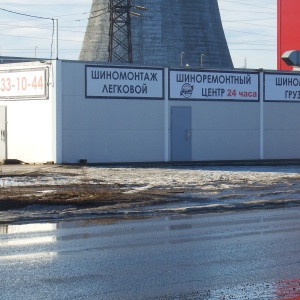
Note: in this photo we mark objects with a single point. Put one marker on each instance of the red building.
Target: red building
(288, 29)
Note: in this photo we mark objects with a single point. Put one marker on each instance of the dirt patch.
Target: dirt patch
(116, 189)
(83, 196)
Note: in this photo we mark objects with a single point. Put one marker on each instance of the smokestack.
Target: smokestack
(172, 33)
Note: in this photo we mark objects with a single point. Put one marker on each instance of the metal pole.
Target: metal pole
(202, 59)
(56, 38)
(120, 44)
(181, 62)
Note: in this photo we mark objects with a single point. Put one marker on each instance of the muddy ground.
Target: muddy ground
(82, 196)
(184, 188)
(81, 190)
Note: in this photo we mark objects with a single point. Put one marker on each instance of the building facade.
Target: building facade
(68, 111)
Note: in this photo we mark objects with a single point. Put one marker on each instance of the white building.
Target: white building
(66, 111)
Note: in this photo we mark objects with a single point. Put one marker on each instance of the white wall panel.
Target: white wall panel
(282, 130)
(108, 130)
(29, 121)
(225, 145)
(113, 145)
(282, 144)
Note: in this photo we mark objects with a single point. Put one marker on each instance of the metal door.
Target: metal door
(181, 145)
(2, 133)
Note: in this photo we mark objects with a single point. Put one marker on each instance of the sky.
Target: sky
(28, 29)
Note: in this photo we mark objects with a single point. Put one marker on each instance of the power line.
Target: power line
(26, 15)
(249, 11)
(39, 17)
(255, 33)
(248, 4)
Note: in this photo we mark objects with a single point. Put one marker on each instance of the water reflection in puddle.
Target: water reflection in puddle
(50, 233)
(288, 289)
(27, 228)
(283, 290)
(44, 227)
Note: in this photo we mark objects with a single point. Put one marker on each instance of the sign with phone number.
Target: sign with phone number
(23, 84)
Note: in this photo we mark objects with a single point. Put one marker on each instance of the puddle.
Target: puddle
(289, 290)
(283, 290)
(27, 228)
(50, 234)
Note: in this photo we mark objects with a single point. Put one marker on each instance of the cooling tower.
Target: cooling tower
(171, 33)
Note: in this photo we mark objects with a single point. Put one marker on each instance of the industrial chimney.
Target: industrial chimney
(172, 33)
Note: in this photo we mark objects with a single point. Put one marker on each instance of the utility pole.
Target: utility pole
(120, 45)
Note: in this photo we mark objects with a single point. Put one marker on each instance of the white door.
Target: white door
(2, 132)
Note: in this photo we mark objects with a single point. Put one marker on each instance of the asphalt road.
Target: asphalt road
(240, 255)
